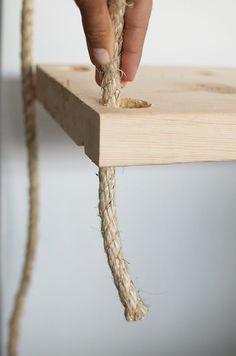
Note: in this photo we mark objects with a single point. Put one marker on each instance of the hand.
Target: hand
(100, 37)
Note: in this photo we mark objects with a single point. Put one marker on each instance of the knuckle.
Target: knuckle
(96, 36)
(132, 50)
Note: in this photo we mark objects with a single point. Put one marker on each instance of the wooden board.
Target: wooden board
(192, 117)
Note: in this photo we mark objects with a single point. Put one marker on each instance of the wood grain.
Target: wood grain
(192, 117)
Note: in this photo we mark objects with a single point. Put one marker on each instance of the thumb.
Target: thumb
(98, 30)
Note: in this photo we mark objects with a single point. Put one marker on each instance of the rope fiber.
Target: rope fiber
(28, 93)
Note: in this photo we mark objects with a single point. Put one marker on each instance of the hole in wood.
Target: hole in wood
(214, 88)
(206, 73)
(74, 68)
(129, 103)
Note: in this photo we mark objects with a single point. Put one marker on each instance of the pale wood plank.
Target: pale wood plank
(192, 117)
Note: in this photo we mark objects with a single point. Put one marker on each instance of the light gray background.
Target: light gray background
(178, 222)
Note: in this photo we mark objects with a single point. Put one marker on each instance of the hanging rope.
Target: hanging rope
(135, 309)
(32, 150)
(129, 296)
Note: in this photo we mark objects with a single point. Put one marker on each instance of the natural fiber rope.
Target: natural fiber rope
(28, 92)
(111, 75)
(135, 309)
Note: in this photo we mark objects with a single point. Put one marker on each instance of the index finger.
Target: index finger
(136, 23)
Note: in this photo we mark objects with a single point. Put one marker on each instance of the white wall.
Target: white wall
(178, 222)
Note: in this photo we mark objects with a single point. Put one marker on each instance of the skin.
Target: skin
(100, 37)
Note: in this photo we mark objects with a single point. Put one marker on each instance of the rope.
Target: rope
(111, 76)
(135, 309)
(28, 93)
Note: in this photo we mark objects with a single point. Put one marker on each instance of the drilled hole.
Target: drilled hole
(74, 68)
(80, 68)
(206, 73)
(214, 88)
(129, 103)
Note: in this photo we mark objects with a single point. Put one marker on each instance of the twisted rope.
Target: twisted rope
(28, 93)
(111, 76)
(135, 309)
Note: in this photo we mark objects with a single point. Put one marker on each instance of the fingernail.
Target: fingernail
(101, 56)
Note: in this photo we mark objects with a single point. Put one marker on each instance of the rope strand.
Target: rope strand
(135, 309)
(28, 93)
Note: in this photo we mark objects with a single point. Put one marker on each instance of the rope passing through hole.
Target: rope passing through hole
(135, 309)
